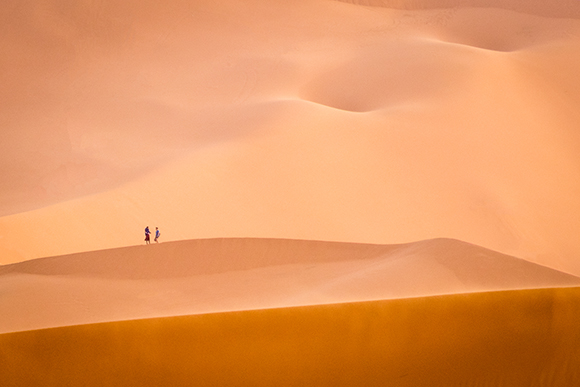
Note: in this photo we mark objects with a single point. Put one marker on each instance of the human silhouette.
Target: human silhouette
(147, 233)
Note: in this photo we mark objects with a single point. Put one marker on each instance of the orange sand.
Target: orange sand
(513, 338)
(219, 275)
(435, 141)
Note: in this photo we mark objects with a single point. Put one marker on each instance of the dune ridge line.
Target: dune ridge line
(226, 274)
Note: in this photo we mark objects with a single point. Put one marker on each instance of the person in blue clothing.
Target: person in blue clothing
(157, 234)
(147, 234)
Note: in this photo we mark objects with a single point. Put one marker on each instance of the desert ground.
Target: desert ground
(349, 193)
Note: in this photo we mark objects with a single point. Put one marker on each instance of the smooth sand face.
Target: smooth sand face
(379, 122)
(310, 120)
(219, 275)
(516, 339)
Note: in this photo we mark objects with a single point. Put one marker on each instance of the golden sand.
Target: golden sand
(372, 192)
(511, 338)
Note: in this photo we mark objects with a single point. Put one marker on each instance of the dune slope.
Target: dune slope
(308, 119)
(217, 275)
(513, 338)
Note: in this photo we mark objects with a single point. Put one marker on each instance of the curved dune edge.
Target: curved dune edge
(558, 8)
(511, 338)
(234, 274)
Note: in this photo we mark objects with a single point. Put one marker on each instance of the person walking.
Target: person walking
(147, 233)
(157, 234)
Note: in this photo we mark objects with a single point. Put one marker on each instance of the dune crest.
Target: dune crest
(225, 274)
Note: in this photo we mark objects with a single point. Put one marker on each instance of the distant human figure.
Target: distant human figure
(147, 233)
(157, 234)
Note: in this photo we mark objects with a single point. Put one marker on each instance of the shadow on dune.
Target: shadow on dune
(513, 338)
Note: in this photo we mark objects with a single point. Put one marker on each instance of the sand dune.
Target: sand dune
(250, 132)
(512, 338)
(218, 275)
(320, 120)
(558, 8)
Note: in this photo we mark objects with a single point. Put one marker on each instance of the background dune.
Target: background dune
(558, 9)
(322, 120)
(514, 338)
(220, 275)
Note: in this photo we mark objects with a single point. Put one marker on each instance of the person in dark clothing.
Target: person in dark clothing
(147, 235)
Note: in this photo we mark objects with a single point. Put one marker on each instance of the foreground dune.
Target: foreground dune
(219, 275)
(513, 339)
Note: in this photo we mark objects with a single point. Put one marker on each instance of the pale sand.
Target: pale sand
(512, 339)
(307, 119)
(218, 275)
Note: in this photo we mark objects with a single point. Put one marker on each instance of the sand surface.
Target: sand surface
(219, 275)
(514, 338)
(372, 121)
(355, 192)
